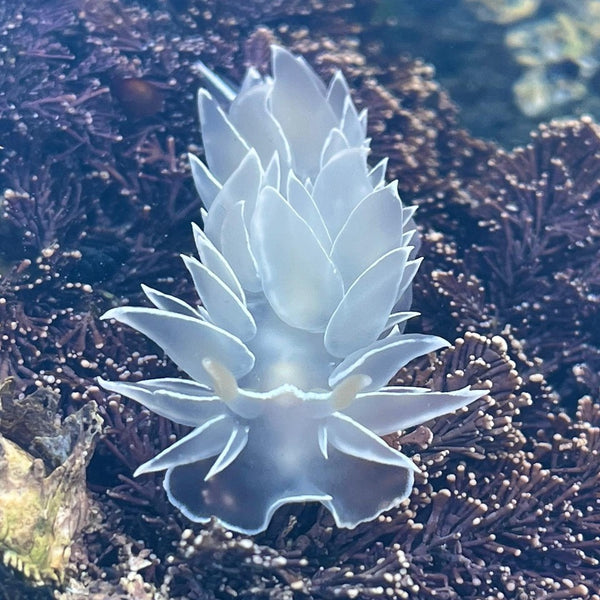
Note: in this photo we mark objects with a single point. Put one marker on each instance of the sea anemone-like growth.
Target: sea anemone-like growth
(43, 497)
(305, 280)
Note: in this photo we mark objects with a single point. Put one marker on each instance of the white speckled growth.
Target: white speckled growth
(305, 271)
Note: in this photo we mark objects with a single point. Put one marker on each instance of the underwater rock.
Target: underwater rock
(539, 90)
(42, 510)
(504, 11)
(546, 41)
(560, 54)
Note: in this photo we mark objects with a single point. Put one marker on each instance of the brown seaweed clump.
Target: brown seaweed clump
(54, 278)
(529, 267)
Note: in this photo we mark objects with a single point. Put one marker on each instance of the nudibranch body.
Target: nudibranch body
(305, 273)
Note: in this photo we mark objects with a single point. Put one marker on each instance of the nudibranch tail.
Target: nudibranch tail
(305, 270)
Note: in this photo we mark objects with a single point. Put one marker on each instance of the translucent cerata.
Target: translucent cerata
(306, 261)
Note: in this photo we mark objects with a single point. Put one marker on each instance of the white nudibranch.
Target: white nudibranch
(305, 272)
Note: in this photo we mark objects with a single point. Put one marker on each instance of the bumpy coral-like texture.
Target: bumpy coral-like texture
(305, 282)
